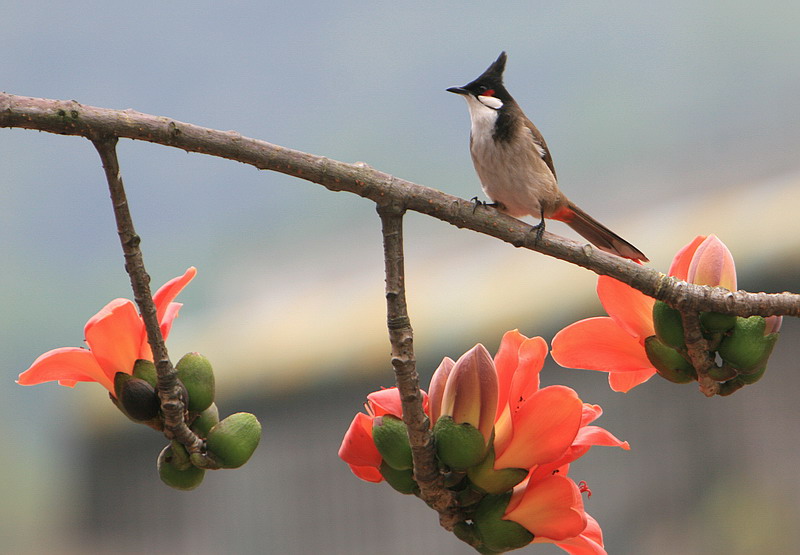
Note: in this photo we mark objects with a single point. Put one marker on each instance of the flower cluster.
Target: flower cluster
(642, 337)
(505, 444)
(120, 359)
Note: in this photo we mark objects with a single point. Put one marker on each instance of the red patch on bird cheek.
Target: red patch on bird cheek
(489, 92)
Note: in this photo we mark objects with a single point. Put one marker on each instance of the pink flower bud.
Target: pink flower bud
(712, 264)
(436, 390)
(470, 394)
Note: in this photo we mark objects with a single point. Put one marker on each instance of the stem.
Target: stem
(426, 468)
(169, 391)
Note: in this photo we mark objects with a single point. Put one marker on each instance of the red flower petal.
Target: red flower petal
(114, 335)
(386, 401)
(167, 292)
(358, 449)
(599, 344)
(680, 263)
(525, 382)
(588, 542)
(367, 473)
(550, 508)
(543, 428)
(631, 309)
(595, 435)
(505, 363)
(70, 364)
(625, 381)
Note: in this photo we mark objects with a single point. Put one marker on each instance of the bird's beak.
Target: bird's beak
(458, 90)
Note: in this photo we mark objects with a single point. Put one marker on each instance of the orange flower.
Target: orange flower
(358, 448)
(615, 344)
(537, 427)
(116, 337)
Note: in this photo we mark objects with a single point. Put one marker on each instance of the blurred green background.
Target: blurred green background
(666, 120)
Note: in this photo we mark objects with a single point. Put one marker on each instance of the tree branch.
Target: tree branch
(426, 468)
(72, 118)
(169, 391)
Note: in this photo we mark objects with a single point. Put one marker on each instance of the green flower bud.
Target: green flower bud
(668, 325)
(391, 438)
(497, 534)
(197, 376)
(400, 480)
(753, 377)
(668, 362)
(747, 348)
(206, 420)
(233, 441)
(187, 478)
(138, 398)
(729, 387)
(716, 322)
(459, 446)
(146, 370)
(485, 478)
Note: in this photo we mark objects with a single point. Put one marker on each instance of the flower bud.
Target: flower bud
(233, 441)
(205, 421)
(459, 446)
(137, 397)
(485, 478)
(146, 370)
(747, 348)
(400, 480)
(668, 362)
(716, 322)
(495, 533)
(185, 478)
(195, 372)
(471, 392)
(668, 325)
(391, 438)
(712, 264)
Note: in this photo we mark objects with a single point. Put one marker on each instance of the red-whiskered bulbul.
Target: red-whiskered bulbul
(515, 167)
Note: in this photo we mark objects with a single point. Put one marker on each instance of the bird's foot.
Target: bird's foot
(538, 231)
(476, 203)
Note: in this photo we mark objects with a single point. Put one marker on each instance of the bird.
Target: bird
(515, 166)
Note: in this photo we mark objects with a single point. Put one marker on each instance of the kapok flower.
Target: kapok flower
(615, 344)
(465, 408)
(116, 337)
(358, 448)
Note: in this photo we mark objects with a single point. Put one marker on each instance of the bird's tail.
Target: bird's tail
(596, 233)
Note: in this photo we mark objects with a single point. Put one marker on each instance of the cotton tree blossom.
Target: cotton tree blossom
(116, 337)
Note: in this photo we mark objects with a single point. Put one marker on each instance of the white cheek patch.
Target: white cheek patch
(491, 101)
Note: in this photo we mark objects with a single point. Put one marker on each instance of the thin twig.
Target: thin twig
(426, 470)
(168, 390)
(72, 118)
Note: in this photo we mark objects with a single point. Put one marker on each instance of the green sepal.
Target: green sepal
(231, 442)
(205, 421)
(458, 446)
(197, 375)
(495, 533)
(146, 370)
(668, 362)
(400, 480)
(391, 438)
(485, 478)
(185, 478)
(747, 348)
(668, 325)
(731, 386)
(716, 322)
